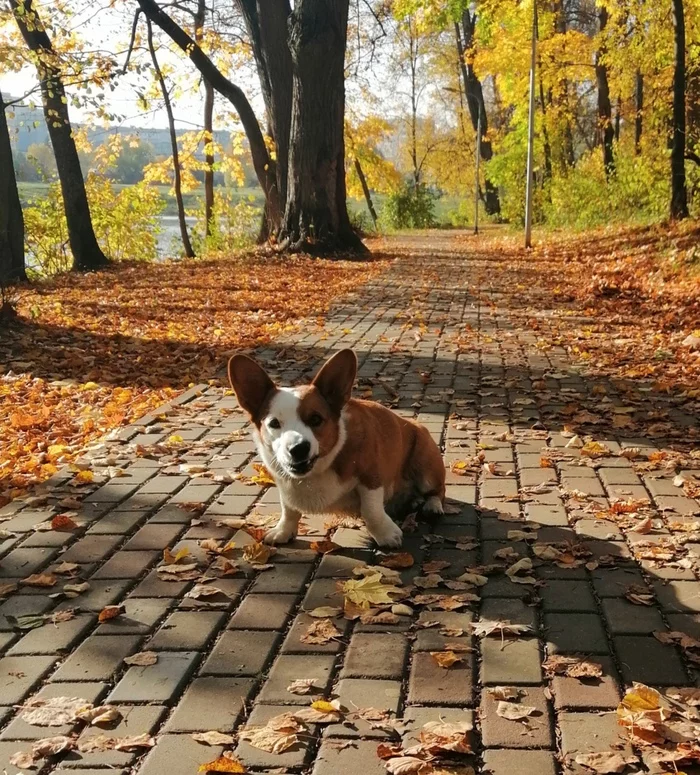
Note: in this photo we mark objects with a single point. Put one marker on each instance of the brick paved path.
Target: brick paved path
(432, 341)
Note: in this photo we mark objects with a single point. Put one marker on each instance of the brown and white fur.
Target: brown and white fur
(330, 453)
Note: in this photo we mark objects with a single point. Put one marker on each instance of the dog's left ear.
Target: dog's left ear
(336, 378)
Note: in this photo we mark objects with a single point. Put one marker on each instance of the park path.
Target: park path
(438, 342)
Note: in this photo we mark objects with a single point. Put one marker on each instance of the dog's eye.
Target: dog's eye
(315, 420)
(273, 423)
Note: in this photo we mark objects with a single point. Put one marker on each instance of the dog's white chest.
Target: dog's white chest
(320, 494)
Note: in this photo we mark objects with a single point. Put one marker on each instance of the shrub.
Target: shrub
(235, 224)
(412, 207)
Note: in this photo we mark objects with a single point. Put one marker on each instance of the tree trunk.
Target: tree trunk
(604, 105)
(679, 194)
(87, 254)
(265, 167)
(618, 118)
(316, 215)
(639, 115)
(567, 156)
(365, 190)
(475, 102)
(186, 244)
(208, 127)
(545, 133)
(11, 218)
(267, 23)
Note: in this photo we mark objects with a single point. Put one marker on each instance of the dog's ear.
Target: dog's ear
(335, 379)
(251, 384)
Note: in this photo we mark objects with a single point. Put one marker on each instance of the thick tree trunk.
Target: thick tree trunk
(177, 184)
(475, 102)
(316, 215)
(604, 106)
(545, 133)
(87, 254)
(265, 167)
(11, 219)
(267, 24)
(639, 112)
(365, 191)
(208, 126)
(679, 194)
(567, 157)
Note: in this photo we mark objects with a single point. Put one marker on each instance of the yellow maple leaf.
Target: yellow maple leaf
(222, 764)
(640, 698)
(368, 591)
(83, 477)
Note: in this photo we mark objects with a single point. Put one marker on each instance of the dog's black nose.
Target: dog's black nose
(300, 451)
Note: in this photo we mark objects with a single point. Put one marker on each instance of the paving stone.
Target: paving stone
(20, 563)
(92, 548)
(591, 733)
(430, 684)
(290, 667)
(21, 605)
(513, 661)
(241, 653)
(294, 645)
(18, 729)
(139, 617)
(625, 618)
(177, 755)
(98, 658)
(567, 596)
(430, 639)
(7, 750)
(54, 638)
(263, 612)
(575, 633)
(286, 578)
(612, 582)
(187, 631)
(647, 660)
(341, 565)
(322, 592)
(679, 596)
(153, 586)
(100, 594)
(360, 758)
(153, 538)
(111, 493)
(296, 756)
(211, 703)
(127, 565)
(535, 731)
(590, 693)
(375, 656)
(135, 720)
(117, 523)
(364, 693)
(511, 610)
(19, 675)
(499, 762)
(156, 683)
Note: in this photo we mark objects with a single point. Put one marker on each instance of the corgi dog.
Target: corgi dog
(330, 453)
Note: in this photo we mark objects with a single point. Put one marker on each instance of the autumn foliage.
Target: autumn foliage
(91, 353)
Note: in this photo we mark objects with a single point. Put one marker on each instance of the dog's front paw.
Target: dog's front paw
(388, 536)
(280, 534)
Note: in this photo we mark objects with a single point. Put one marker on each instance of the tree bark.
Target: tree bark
(11, 219)
(475, 102)
(87, 254)
(618, 118)
(267, 23)
(568, 156)
(679, 194)
(316, 216)
(208, 126)
(177, 185)
(365, 191)
(604, 105)
(639, 113)
(265, 167)
(545, 133)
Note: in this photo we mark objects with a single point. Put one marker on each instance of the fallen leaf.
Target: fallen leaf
(573, 667)
(487, 627)
(301, 686)
(213, 738)
(320, 712)
(142, 659)
(446, 658)
(23, 760)
(323, 547)
(53, 712)
(514, 711)
(398, 561)
(326, 611)
(606, 762)
(40, 580)
(368, 591)
(258, 553)
(63, 522)
(277, 736)
(134, 742)
(110, 612)
(222, 764)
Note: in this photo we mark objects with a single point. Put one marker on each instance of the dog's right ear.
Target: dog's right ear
(251, 384)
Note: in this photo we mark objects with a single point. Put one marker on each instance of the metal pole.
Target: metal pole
(531, 132)
(476, 187)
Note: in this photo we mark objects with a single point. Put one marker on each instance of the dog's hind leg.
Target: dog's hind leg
(429, 474)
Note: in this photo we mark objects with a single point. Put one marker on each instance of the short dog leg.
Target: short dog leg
(286, 528)
(379, 524)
